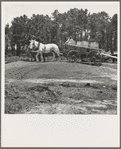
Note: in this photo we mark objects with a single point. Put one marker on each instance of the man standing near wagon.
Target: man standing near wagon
(68, 41)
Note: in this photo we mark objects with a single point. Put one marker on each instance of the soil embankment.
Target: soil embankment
(60, 88)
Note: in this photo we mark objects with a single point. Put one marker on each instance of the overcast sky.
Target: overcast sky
(11, 10)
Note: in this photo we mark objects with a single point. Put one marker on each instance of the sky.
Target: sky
(11, 10)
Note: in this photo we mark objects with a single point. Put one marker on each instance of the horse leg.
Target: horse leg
(57, 54)
(37, 57)
(32, 57)
(53, 56)
(42, 59)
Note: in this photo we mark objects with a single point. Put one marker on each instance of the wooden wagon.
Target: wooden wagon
(84, 54)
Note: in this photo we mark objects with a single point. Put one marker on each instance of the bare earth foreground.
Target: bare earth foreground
(60, 88)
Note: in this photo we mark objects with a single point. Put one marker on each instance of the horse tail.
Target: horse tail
(56, 50)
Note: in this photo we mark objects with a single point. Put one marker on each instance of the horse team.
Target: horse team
(42, 49)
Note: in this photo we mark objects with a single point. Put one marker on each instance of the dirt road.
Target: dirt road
(60, 88)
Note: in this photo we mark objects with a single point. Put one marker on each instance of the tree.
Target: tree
(77, 23)
(19, 29)
(99, 23)
(114, 30)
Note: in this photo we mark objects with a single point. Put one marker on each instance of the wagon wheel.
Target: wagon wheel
(94, 57)
(73, 56)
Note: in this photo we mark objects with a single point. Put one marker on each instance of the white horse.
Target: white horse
(44, 48)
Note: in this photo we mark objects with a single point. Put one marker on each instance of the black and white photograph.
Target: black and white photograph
(61, 59)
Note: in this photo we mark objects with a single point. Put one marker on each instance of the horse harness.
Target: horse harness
(37, 48)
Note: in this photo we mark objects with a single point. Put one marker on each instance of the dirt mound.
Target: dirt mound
(60, 88)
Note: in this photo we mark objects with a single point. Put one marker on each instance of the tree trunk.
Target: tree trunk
(111, 49)
(18, 50)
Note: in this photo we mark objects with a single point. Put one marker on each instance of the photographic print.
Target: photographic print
(60, 58)
(60, 74)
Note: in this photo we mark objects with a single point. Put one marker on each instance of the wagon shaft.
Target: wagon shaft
(110, 56)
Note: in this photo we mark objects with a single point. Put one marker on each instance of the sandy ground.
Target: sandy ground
(60, 88)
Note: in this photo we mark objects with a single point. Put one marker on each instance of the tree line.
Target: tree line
(77, 23)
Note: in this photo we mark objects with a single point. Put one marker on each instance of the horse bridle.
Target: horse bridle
(34, 46)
